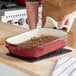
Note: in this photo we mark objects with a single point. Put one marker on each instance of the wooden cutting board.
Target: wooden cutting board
(7, 30)
(42, 67)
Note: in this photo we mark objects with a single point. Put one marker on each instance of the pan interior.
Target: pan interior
(36, 32)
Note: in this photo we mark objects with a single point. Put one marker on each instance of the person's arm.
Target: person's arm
(32, 13)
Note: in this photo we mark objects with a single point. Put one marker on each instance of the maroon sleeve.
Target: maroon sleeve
(32, 0)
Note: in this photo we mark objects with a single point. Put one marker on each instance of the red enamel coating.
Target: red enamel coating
(39, 51)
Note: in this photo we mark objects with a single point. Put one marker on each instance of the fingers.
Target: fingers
(64, 21)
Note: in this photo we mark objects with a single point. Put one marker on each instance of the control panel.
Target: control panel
(18, 17)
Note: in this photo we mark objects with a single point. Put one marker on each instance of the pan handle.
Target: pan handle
(51, 23)
(64, 28)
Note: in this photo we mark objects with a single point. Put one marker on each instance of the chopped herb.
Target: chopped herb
(40, 39)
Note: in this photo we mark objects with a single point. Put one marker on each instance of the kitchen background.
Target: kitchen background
(14, 12)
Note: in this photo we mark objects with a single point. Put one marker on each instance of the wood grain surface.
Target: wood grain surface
(7, 30)
(43, 67)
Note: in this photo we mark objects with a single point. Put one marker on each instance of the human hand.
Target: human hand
(68, 20)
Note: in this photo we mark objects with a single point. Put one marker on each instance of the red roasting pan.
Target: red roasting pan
(38, 51)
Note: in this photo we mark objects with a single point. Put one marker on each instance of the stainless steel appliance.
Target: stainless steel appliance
(15, 14)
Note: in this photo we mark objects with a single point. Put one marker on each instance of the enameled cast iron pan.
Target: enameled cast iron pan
(38, 51)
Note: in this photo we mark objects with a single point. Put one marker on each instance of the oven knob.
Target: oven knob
(26, 21)
(21, 21)
(10, 22)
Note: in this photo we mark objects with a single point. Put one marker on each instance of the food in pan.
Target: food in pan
(36, 41)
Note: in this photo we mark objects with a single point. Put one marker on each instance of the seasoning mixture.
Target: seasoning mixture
(36, 41)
